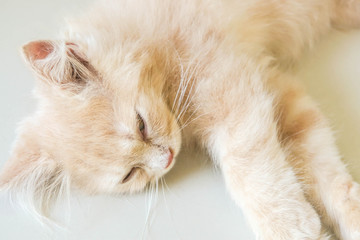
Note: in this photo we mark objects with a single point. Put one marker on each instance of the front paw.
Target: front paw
(300, 223)
(349, 213)
(353, 230)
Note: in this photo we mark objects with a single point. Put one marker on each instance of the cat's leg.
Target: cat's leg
(246, 146)
(266, 188)
(316, 161)
(346, 14)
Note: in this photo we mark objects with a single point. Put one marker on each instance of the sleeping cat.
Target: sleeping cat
(131, 81)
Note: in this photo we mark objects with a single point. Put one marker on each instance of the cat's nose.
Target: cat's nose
(170, 157)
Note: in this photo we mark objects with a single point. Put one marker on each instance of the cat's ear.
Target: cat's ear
(33, 179)
(58, 62)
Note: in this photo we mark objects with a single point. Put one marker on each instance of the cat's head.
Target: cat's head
(102, 130)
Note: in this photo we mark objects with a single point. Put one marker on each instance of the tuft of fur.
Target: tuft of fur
(38, 184)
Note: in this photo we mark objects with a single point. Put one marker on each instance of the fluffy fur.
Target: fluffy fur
(131, 80)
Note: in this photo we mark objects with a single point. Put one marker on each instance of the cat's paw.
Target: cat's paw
(355, 235)
(353, 232)
(349, 223)
(301, 223)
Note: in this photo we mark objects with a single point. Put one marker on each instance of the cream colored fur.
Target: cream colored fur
(213, 72)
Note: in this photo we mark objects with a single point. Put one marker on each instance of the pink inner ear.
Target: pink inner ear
(38, 50)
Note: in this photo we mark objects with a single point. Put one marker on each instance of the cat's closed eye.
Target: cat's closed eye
(130, 174)
(142, 126)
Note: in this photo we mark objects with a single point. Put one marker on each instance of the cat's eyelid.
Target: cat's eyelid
(142, 127)
(130, 175)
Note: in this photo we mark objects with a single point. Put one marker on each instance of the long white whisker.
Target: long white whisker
(184, 84)
(187, 103)
(182, 73)
(148, 198)
(163, 185)
(188, 99)
(192, 114)
(183, 126)
(152, 200)
(188, 79)
(163, 192)
(167, 187)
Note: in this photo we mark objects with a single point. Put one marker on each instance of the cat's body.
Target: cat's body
(130, 79)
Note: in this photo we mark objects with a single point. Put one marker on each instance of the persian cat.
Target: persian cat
(131, 81)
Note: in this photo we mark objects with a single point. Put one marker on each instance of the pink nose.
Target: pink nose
(170, 157)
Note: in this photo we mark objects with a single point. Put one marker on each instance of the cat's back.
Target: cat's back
(139, 20)
(111, 32)
(257, 27)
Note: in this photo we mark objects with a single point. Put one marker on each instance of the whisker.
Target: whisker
(163, 185)
(183, 91)
(188, 99)
(148, 201)
(163, 192)
(183, 126)
(167, 187)
(183, 82)
(192, 114)
(182, 72)
(152, 197)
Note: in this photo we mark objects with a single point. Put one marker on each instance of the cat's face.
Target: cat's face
(114, 145)
(108, 131)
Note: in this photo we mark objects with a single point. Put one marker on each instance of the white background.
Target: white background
(195, 205)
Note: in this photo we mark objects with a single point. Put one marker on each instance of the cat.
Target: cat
(132, 81)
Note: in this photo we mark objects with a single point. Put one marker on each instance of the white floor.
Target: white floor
(195, 205)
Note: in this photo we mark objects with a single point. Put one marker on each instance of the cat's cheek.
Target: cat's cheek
(135, 185)
(97, 184)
